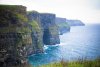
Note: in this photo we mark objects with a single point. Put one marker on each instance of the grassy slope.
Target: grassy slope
(85, 63)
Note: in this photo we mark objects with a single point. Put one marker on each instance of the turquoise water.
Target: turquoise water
(80, 42)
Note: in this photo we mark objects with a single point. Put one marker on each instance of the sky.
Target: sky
(87, 11)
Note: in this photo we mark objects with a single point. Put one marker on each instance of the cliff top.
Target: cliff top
(2, 6)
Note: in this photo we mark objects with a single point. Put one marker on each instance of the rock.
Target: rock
(50, 29)
(63, 26)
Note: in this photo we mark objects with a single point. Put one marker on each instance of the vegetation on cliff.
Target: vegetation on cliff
(21, 17)
(35, 26)
(11, 7)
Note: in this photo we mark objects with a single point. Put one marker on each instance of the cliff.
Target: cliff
(15, 35)
(63, 26)
(75, 23)
(50, 29)
(23, 33)
(37, 33)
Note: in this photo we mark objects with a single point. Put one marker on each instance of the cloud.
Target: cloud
(85, 10)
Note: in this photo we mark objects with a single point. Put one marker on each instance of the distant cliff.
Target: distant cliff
(63, 26)
(75, 22)
(50, 29)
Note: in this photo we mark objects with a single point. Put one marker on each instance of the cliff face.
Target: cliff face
(50, 29)
(14, 35)
(63, 26)
(37, 33)
(75, 23)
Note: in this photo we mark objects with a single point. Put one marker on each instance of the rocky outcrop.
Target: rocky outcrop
(14, 35)
(50, 29)
(75, 22)
(37, 33)
(63, 26)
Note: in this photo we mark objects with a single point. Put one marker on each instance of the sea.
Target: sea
(82, 42)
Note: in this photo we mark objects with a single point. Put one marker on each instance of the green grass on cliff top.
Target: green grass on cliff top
(12, 7)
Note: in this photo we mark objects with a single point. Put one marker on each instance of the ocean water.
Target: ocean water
(80, 42)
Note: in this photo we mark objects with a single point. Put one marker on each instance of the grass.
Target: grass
(64, 24)
(21, 17)
(79, 63)
(11, 7)
(35, 25)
